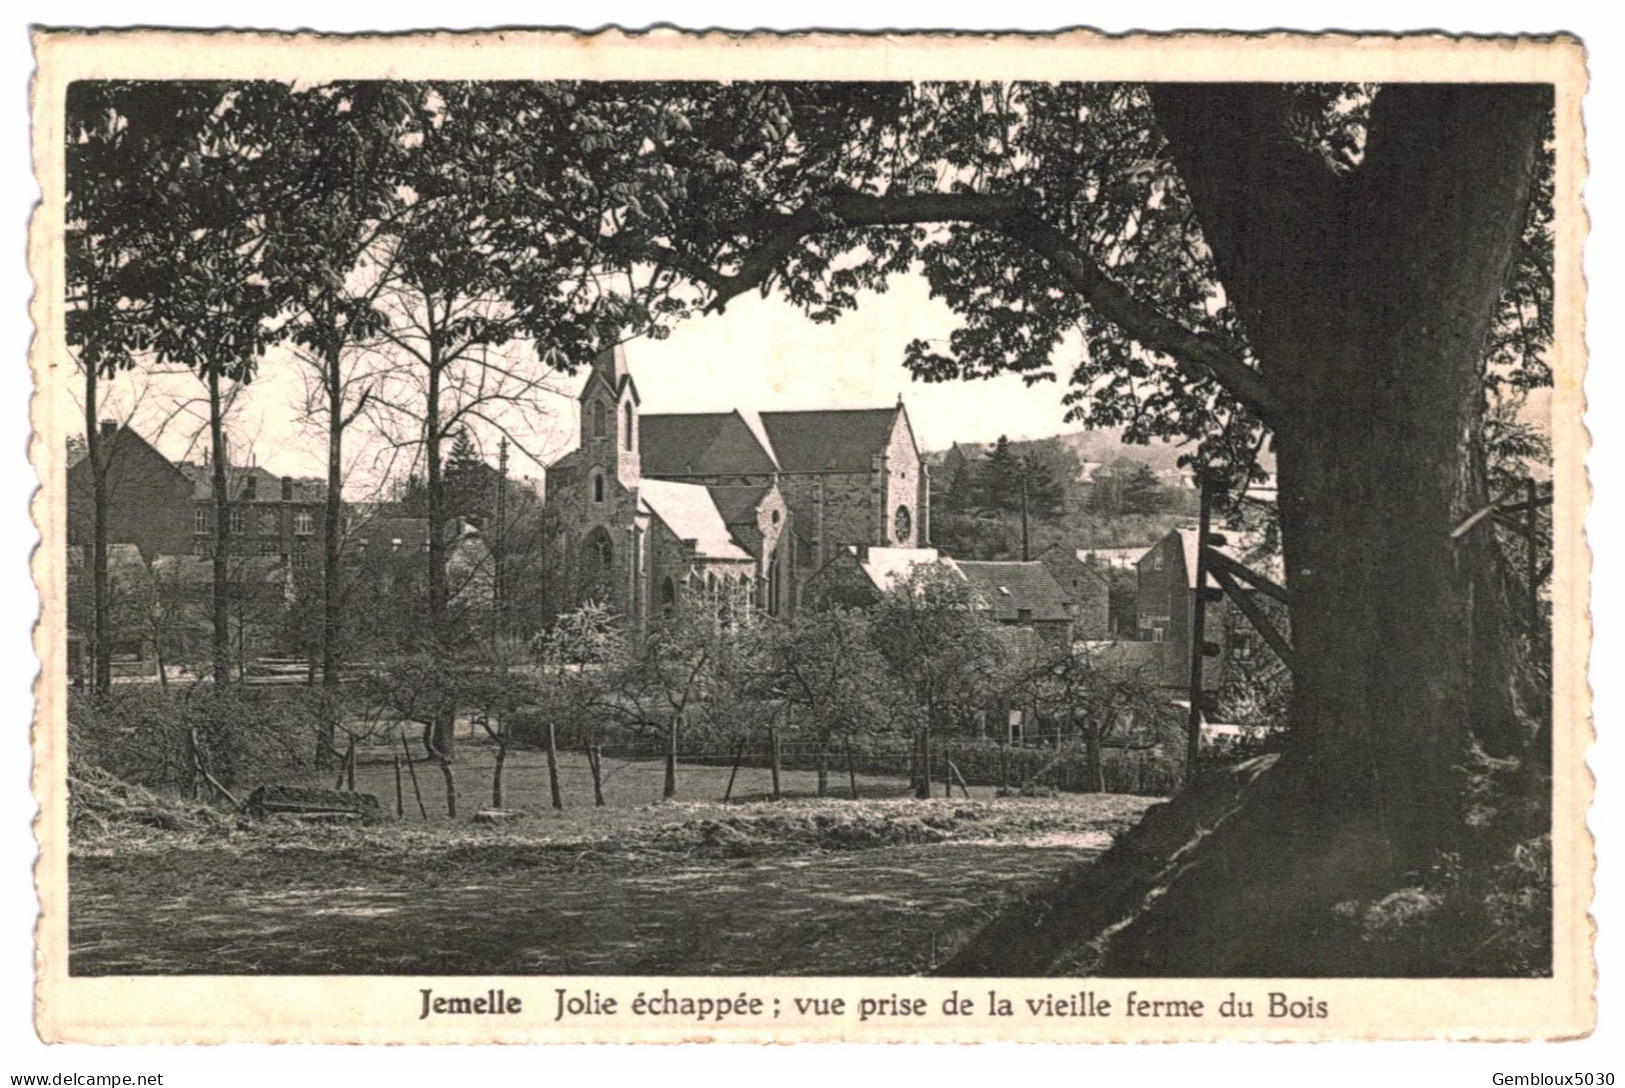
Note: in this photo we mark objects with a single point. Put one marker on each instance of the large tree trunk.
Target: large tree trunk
(220, 589)
(1367, 298)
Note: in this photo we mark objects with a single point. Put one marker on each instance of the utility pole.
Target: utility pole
(1025, 549)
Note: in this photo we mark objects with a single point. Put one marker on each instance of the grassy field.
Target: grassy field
(809, 887)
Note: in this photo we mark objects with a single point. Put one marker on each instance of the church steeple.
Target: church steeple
(610, 365)
(609, 416)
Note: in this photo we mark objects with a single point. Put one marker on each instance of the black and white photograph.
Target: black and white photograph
(508, 535)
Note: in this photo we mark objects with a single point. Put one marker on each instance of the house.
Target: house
(1166, 576)
(1087, 587)
(742, 508)
(859, 575)
(1023, 594)
(149, 499)
(270, 515)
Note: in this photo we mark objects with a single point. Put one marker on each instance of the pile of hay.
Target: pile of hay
(102, 806)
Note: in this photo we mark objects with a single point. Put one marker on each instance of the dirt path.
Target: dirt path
(501, 907)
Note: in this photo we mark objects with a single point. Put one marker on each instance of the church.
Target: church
(742, 508)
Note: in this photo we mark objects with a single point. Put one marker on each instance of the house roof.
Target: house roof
(833, 440)
(1247, 549)
(123, 442)
(691, 514)
(197, 571)
(267, 485)
(122, 559)
(1012, 588)
(701, 444)
(885, 567)
(411, 532)
(1111, 557)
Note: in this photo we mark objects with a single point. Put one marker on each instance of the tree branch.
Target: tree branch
(1010, 216)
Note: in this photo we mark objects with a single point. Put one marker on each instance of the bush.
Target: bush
(147, 734)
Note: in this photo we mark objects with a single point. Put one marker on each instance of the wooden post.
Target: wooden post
(669, 790)
(739, 754)
(1004, 766)
(349, 768)
(851, 769)
(1193, 724)
(400, 794)
(595, 762)
(553, 767)
(773, 742)
(417, 791)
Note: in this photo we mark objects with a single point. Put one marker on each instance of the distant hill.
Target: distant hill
(1107, 445)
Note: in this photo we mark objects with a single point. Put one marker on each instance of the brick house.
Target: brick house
(149, 499)
(271, 515)
(651, 507)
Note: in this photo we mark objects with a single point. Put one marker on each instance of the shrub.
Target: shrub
(160, 737)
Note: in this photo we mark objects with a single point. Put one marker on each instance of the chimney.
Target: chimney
(287, 489)
(109, 427)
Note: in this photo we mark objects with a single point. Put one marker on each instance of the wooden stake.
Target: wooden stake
(773, 740)
(553, 768)
(595, 763)
(412, 769)
(739, 754)
(400, 795)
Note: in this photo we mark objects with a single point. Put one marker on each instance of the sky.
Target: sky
(763, 354)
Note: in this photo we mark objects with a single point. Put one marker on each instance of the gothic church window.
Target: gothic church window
(597, 486)
(629, 423)
(599, 424)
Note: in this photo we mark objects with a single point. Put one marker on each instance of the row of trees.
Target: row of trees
(921, 664)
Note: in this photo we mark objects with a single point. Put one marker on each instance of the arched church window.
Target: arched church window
(597, 486)
(668, 596)
(629, 423)
(902, 524)
(600, 424)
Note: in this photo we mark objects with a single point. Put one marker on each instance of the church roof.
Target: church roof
(833, 440)
(691, 514)
(1013, 588)
(701, 444)
(738, 502)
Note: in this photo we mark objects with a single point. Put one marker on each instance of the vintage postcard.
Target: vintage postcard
(657, 537)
